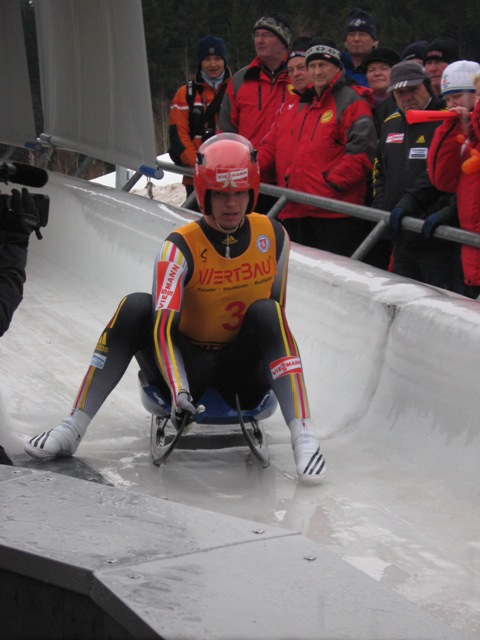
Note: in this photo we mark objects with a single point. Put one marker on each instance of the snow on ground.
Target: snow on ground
(168, 189)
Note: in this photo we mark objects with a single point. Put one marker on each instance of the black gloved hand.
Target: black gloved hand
(395, 221)
(182, 408)
(431, 223)
(21, 215)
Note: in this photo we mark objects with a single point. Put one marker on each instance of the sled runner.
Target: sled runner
(212, 410)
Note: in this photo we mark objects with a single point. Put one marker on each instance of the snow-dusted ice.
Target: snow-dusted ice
(390, 366)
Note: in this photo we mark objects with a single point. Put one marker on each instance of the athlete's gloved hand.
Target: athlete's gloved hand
(431, 223)
(182, 408)
(396, 216)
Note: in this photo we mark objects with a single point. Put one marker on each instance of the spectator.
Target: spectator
(451, 148)
(402, 186)
(415, 51)
(195, 107)
(360, 40)
(256, 92)
(476, 84)
(378, 65)
(275, 150)
(333, 145)
(439, 54)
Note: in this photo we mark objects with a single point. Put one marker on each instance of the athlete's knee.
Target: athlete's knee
(134, 312)
(263, 310)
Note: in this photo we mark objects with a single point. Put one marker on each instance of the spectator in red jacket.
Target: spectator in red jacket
(256, 92)
(333, 142)
(454, 159)
(274, 149)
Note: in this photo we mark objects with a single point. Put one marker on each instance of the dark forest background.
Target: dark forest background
(173, 27)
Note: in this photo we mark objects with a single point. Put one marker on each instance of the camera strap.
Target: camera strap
(199, 119)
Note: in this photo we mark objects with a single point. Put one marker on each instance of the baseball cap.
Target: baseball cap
(407, 74)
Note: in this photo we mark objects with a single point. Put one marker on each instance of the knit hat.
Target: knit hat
(211, 46)
(382, 54)
(415, 50)
(277, 24)
(323, 49)
(299, 47)
(458, 77)
(359, 20)
(407, 74)
(444, 49)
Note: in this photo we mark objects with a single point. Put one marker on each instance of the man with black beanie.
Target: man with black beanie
(360, 40)
(439, 54)
(195, 107)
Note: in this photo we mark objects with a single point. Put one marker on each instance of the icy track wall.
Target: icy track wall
(390, 364)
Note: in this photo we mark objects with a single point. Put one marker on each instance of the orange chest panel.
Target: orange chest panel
(221, 289)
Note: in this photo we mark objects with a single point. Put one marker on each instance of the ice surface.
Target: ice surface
(391, 369)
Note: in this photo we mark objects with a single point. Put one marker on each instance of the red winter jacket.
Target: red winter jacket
(275, 150)
(444, 163)
(251, 101)
(334, 143)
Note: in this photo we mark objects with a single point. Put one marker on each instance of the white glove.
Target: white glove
(181, 408)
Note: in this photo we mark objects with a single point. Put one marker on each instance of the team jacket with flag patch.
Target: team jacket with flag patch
(333, 140)
(401, 164)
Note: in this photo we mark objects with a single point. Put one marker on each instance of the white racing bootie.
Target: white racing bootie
(311, 468)
(60, 441)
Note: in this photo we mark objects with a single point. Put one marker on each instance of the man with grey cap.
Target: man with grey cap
(402, 185)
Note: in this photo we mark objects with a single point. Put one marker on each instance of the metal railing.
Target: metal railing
(444, 232)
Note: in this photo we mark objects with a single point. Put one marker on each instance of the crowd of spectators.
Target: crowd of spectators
(333, 123)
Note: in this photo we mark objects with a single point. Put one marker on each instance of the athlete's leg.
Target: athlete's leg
(266, 337)
(128, 332)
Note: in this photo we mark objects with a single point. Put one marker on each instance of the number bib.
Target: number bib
(221, 289)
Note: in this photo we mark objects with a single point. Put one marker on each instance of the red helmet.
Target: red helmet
(226, 162)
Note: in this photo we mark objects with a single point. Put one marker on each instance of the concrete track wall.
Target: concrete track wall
(391, 369)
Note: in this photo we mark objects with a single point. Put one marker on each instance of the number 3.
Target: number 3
(238, 311)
